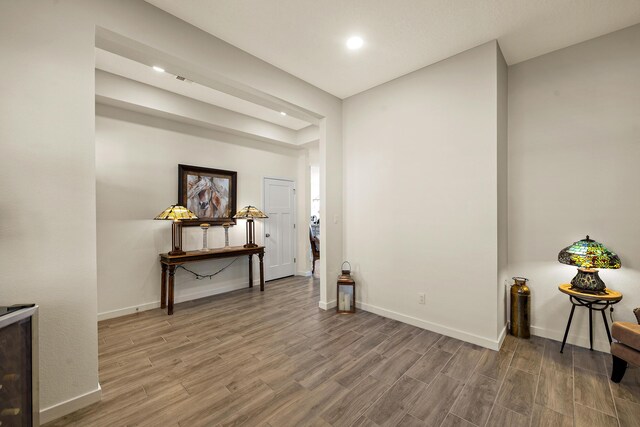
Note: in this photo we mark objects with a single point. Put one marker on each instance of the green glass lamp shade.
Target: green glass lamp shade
(589, 255)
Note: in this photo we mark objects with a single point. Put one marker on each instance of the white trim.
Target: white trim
(502, 336)
(303, 273)
(178, 299)
(127, 310)
(68, 406)
(277, 178)
(327, 305)
(579, 341)
(435, 327)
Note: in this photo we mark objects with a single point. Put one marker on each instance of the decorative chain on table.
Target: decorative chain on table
(207, 276)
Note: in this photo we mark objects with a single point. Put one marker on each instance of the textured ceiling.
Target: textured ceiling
(307, 37)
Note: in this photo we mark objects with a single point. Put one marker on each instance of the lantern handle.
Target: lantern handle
(346, 262)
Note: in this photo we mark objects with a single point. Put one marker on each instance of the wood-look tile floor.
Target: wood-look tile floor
(275, 359)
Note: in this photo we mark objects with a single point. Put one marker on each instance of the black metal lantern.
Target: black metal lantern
(346, 291)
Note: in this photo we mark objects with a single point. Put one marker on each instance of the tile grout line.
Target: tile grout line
(394, 383)
(466, 384)
(360, 414)
(613, 398)
(610, 390)
(513, 353)
(535, 393)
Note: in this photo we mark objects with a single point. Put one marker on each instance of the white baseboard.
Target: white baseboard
(303, 273)
(502, 336)
(579, 341)
(178, 299)
(327, 305)
(127, 310)
(435, 327)
(68, 406)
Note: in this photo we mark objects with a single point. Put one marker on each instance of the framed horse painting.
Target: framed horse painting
(208, 193)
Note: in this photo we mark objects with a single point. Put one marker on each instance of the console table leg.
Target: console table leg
(163, 287)
(172, 272)
(251, 271)
(566, 332)
(606, 326)
(260, 257)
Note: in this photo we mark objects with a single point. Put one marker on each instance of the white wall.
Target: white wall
(421, 195)
(574, 146)
(137, 159)
(503, 217)
(47, 136)
(47, 182)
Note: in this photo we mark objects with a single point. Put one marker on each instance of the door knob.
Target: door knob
(268, 235)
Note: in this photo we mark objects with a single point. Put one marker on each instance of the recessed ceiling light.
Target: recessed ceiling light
(354, 42)
(158, 69)
(282, 113)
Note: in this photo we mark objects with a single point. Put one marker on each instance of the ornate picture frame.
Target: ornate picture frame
(209, 193)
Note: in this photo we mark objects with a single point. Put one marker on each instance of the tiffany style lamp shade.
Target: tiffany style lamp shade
(248, 213)
(588, 255)
(176, 213)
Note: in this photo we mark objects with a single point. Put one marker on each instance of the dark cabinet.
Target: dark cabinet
(18, 367)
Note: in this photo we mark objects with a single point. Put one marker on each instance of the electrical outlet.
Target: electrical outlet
(422, 298)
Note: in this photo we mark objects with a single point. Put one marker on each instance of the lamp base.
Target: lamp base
(172, 253)
(588, 280)
(250, 245)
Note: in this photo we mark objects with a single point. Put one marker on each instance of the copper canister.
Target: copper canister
(520, 308)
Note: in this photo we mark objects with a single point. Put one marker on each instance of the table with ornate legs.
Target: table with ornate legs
(597, 302)
(170, 262)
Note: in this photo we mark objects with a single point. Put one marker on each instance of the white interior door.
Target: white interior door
(279, 228)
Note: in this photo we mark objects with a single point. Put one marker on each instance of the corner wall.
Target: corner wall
(421, 195)
(574, 145)
(47, 182)
(503, 217)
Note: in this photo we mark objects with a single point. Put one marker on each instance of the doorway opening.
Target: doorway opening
(314, 221)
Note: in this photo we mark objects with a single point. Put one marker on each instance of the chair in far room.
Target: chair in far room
(315, 250)
(627, 348)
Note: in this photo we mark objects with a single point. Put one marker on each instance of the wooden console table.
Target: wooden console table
(170, 262)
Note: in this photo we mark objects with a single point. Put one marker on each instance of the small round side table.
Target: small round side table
(592, 302)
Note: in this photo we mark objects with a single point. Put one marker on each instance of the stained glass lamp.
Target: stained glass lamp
(249, 213)
(588, 255)
(176, 213)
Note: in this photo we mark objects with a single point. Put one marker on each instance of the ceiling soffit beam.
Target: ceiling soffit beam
(309, 134)
(136, 51)
(149, 111)
(125, 93)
